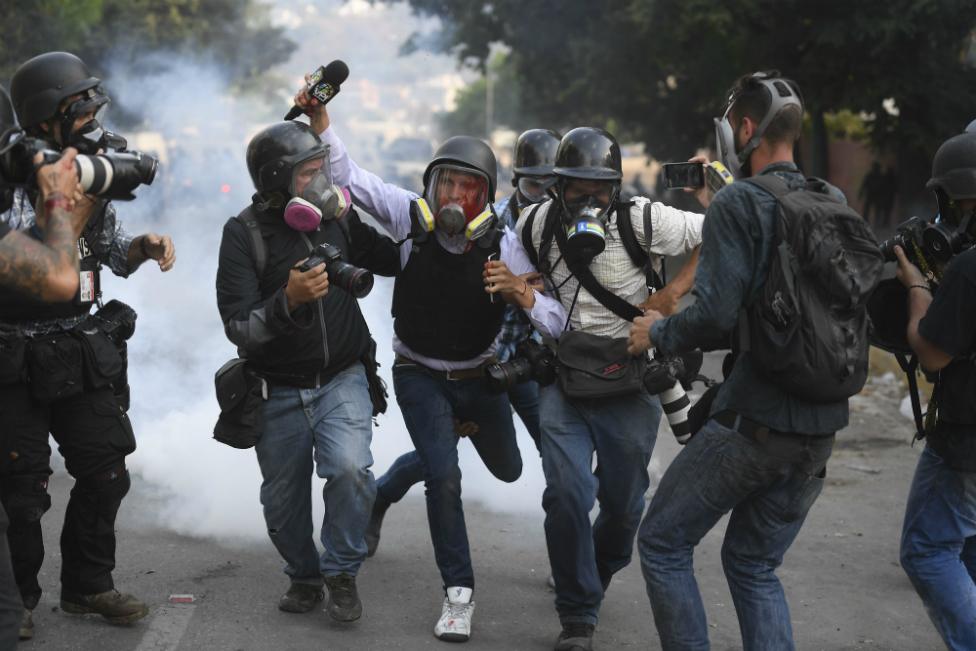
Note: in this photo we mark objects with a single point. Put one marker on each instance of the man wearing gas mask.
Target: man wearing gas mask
(762, 454)
(304, 336)
(446, 321)
(577, 240)
(535, 151)
(70, 381)
(938, 545)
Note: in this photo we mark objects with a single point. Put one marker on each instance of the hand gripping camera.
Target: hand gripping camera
(113, 175)
(353, 279)
(668, 378)
(929, 245)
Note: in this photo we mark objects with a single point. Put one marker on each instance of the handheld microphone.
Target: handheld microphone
(323, 84)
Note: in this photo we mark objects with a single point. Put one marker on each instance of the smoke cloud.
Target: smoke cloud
(201, 131)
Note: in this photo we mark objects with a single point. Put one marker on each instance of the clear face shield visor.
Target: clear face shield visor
(535, 189)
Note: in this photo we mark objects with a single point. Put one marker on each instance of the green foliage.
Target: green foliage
(237, 34)
(660, 68)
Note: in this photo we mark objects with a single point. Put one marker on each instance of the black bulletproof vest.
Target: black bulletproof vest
(17, 307)
(440, 307)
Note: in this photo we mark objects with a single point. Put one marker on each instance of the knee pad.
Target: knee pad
(25, 497)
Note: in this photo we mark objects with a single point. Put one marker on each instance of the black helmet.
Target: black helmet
(888, 309)
(275, 151)
(466, 151)
(10, 131)
(954, 167)
(588, 153)
(40, 85)
(535, 152)
(971, 127)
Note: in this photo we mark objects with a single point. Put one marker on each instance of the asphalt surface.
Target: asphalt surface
(845, 587)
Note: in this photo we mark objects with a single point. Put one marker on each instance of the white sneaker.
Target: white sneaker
(455, 622)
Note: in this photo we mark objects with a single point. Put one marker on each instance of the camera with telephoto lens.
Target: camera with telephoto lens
(112, 175)
(668, 377)
(356, 281)
(532, 361)
(925, 242)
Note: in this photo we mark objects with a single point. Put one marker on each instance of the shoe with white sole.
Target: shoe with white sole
(455, 622)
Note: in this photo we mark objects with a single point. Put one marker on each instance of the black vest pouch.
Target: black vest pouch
(591, 366)
(13, 355)
(56, 366)
(241, 394)
(103, 363)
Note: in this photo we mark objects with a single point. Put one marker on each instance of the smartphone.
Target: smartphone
(683, 175)
(492, 256)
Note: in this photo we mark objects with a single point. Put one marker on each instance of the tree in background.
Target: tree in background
(236, 34)
(657, 69)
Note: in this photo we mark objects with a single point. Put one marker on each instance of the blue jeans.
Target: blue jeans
(333, 426)
(938, 547)
(621, 431)
(769, 487)
(407, 470)
(429, 403)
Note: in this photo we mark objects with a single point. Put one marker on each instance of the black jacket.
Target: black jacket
(321, 337)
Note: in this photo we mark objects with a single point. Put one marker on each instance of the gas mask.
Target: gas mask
(319, 200)
(91, 137)
(461, 196)
(585, 220)
(534, 189)
(729, 153)
(952, 231)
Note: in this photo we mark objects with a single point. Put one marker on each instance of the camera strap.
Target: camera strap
(604, 296)
(258, 248)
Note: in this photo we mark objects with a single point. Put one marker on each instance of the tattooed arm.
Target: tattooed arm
(47, 270)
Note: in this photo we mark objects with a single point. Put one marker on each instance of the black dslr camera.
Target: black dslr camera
(356, 281)
(532, 361)
(925, 242)
(668, 378)
(113, 175)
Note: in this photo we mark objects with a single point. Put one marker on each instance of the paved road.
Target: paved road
(842, 577)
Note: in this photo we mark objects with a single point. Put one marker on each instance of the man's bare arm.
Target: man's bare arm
(47, 271)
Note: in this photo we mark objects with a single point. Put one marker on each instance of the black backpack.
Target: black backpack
(808, 328)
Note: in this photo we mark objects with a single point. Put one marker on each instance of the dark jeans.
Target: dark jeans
(11, 605)
(938, 547)
(407, 469)
(430, 403)
(769, 487)
(94, 436)
(621, 431)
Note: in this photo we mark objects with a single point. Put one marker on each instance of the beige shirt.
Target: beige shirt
(674, 232)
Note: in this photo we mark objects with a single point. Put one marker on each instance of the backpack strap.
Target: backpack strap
(771, 183)
(527, 242)
(637, 254)
(258, 248)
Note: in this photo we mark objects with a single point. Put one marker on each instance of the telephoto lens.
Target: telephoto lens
(356, 281)
(676, 405)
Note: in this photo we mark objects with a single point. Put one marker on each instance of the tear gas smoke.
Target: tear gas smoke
(205, 488)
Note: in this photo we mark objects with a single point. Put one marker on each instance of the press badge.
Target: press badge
(86, 287)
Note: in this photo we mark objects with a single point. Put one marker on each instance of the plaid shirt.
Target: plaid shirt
(111, 246)
(674, 232)
(516, 326)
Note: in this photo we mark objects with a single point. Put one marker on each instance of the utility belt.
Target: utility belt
(755, 430)
(62, 364)
(454, 375)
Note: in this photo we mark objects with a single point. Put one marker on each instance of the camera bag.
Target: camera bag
(241, 395)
